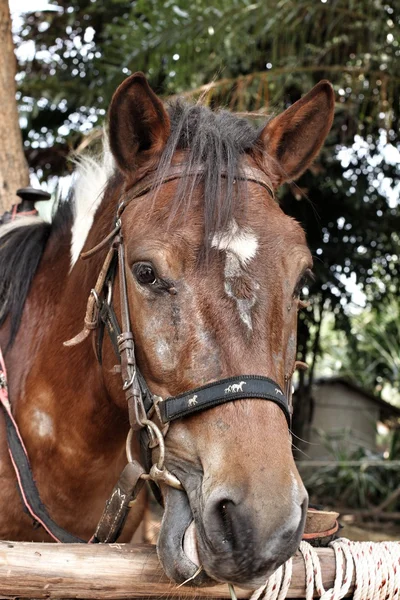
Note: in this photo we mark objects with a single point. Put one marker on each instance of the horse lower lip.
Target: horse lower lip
(177, 524)
(190, 544)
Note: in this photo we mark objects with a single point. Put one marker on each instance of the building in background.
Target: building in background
(345, 414)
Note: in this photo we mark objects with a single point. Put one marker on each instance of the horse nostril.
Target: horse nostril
(221, 521)
(224, 509)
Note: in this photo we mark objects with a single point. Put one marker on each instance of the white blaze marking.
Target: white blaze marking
(240, 242)
(43, 423)
(240, 246)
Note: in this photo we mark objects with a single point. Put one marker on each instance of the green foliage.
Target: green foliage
(347, 485)
(374, 351)
(263, 55)
(369, 351)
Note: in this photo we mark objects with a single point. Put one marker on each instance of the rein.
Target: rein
(149, 414)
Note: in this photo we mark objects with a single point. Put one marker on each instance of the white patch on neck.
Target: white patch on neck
(42, 423)
(240, 246)
(91, 175)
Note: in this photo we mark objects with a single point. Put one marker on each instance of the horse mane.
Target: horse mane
(22, 244)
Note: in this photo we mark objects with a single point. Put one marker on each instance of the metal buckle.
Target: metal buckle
(156, 402)
(127, 384)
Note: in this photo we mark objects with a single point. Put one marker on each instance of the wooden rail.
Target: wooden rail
(112, 571)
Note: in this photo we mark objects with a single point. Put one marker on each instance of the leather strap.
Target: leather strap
(92, 308)
(117, 507)
(150, 182)
(107, 316)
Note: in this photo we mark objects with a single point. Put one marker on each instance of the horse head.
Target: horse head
(214, 270)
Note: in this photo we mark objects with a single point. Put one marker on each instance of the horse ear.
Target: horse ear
(295, 137)
(139, 125)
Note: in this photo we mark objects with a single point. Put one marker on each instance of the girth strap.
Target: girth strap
(221, 392)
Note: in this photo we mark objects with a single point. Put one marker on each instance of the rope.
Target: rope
(374, 568)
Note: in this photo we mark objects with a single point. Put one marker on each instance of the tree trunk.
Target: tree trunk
(14, 171)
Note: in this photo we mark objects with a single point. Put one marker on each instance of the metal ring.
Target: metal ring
(158, 473)
(160, 438)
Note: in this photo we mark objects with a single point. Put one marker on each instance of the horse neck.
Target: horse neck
(58, 393)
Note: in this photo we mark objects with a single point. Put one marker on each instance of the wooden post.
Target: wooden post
(112, 571)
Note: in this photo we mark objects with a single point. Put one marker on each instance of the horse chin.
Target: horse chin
(177, 543)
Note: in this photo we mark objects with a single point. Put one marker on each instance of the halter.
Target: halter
(149, 414)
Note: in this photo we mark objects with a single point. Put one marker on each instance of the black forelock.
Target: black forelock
(216, 141)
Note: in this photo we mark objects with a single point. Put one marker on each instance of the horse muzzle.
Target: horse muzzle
(221, 539)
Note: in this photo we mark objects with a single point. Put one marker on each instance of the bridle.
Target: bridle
(149, 414)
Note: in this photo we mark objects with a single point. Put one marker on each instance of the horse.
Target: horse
(208, 281)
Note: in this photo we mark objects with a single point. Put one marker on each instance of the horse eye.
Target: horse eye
(145, 274)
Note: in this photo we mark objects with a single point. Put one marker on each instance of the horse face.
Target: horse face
(194, 324)
(242, 510)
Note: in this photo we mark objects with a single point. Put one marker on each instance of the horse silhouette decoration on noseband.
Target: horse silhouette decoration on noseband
(236, 387)
(180, 319)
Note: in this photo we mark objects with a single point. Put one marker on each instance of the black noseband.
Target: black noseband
(222, 391)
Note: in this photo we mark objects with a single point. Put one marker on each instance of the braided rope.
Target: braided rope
(375, 568)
